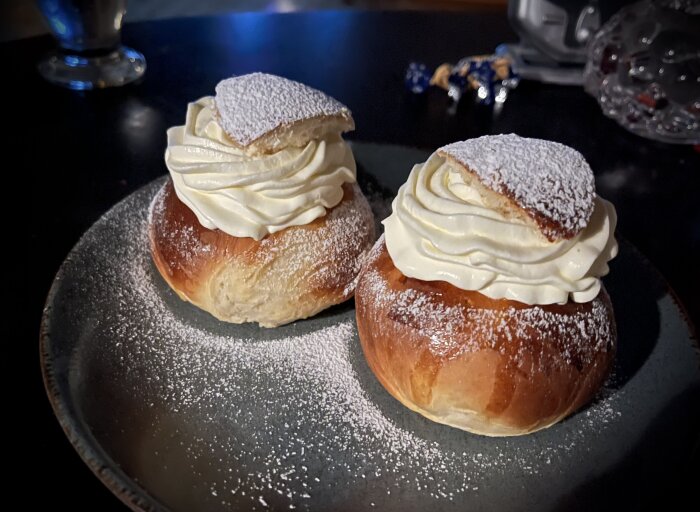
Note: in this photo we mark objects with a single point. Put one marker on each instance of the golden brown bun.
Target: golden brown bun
(492, 367)
(286, 276)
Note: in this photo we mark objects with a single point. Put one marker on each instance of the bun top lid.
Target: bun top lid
(259, 111)
(549, 182)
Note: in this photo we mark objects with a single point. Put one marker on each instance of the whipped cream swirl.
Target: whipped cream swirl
(441, 230)
(252, 196)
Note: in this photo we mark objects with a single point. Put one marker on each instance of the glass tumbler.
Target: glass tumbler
(90, 53)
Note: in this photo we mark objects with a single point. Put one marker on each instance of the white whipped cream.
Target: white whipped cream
(252, 196)
(440, 230)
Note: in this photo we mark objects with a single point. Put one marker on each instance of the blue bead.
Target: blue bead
(501, 50)
(417, 79)
(484, 68)
(457, 80)
(484, 92)
(483, 71)
(489, 98)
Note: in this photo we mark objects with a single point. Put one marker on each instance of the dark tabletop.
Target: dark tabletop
(73, 155)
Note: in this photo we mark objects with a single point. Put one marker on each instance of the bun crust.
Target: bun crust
(286, 276)
(492, 367)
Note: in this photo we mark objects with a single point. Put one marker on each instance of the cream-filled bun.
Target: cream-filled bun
(262, 219)
(482, 305)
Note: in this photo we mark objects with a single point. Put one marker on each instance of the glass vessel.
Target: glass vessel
(90, 53)
(644, 69)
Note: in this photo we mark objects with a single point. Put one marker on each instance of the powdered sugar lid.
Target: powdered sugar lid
(251, 106)
(551, 182)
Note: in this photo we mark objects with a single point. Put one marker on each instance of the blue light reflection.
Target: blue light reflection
(63, 18)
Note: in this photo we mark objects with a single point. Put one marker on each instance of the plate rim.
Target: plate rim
(128, 491)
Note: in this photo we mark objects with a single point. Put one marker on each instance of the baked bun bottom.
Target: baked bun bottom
(491, 367)
(286, 276)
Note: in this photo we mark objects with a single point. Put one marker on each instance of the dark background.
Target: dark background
(70, 156)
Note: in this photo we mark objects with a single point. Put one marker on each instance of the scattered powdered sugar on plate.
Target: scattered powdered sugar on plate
(286, 418)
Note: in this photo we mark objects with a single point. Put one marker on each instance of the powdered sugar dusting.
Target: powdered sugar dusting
(344, 241)
(582, 334)
(291, 266)
(252, 105)
(285, 418)
(191, 245)
(543, 177)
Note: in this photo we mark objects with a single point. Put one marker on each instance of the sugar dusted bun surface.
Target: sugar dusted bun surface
(288, 275)
(482, 306)
(491, 367)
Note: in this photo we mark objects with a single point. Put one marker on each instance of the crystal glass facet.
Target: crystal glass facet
(644, 69)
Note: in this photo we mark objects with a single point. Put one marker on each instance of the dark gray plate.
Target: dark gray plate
(173, 409)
